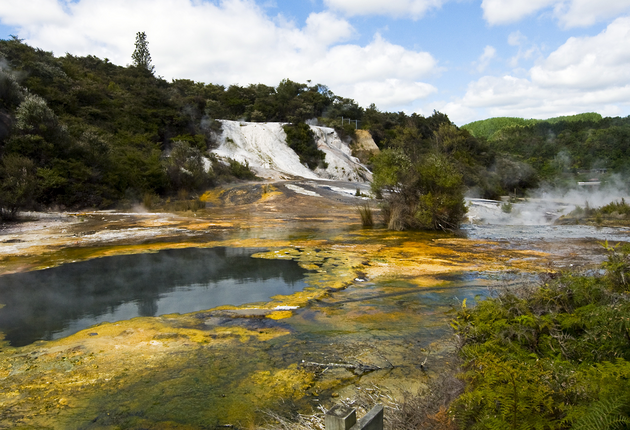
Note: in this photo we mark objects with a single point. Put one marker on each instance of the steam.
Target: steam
(546, 204)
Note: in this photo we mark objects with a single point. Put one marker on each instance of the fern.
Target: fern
(604, 415)
(554, 357)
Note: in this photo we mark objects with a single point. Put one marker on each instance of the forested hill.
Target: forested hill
(559, 148)
(83, 132)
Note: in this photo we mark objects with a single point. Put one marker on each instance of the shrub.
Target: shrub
(18, 185)
(427, 194)
(185, 168)
(301, 139)
(241, 170)
(553, 356)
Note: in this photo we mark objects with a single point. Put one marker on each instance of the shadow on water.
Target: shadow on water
(54, 303)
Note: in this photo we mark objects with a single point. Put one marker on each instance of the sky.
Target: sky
(468, 59)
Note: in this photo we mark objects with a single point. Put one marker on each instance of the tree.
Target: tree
(185, 168)
(18, 184)
(426, 194)
(420, 177)
(141, 57)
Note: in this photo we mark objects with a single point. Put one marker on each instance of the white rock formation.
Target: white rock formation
(264, 147)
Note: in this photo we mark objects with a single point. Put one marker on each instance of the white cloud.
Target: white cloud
(489, 53)
(516, 38)
(518, 97)
(570, 13)
(390, 92)
(232, 42)
(35, 12)
(582, 13)
(507, 11)
(583, 75)
(589, 62)
(397, 8)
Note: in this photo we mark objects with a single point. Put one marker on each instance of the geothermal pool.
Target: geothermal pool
(57, 302)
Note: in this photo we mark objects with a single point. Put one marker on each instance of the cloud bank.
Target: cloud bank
(231, 42)
(569, 13)
(396, 8)
(585, 74)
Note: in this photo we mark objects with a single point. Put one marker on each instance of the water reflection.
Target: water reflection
(53, 303)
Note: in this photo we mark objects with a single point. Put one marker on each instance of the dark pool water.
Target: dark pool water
(54, 303)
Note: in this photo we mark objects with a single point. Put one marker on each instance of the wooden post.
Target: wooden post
(373, 420)
(340, 417)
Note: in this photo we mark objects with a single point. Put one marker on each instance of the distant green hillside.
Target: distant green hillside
(561, 150)
(488, 127)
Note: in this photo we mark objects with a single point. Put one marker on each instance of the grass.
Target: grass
(367, 215)
(616, 213)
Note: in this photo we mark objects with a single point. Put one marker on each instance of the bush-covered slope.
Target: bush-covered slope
(560, 148)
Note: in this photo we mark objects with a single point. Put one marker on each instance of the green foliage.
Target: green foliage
(11, 93)
(620, 208)
(614, 213)
(507, 395)
(515, 176)
(559, 149)
(185, 168)
(553, 356)
(618, 266)
(50, 106)
(605, 414)
(301, 139)
(587, 116)
(488, 127)
(441, 200)
(420, 175)
(241, 170)
(18, 185)
(141, 57)
(229, 170)
(390, 168)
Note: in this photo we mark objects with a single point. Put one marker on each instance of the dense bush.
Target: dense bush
(554, 356)
(18, 185)
(301, 139)
(560, 147)
(97, 132)
(421, 175)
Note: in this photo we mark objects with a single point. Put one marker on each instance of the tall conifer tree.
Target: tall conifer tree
(141, 56)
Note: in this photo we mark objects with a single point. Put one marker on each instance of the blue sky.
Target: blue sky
(469, 59)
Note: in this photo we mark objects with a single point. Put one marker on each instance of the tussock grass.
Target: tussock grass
(367, 215)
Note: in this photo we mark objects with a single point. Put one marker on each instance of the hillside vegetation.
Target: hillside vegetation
(83, 132)
(561, 150)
